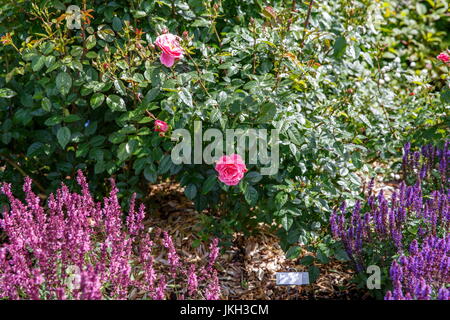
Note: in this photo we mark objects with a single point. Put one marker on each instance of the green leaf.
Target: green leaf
(63, 136)
(37, 63)
(322, 257)
(117, 24)
(151, 94)
(124, 151)
(165, 164)
(63, 83)
(445, 96)
(314, 273)
(209, 184)
(150, 174)
(339, 47)
(253, 177)
(281, 198)
(72, 118)
(53, 120)
(46, 104)
(286, 222)
(34, 149)
(90, 42)
(341, 255)
(251, 195)
(115, 103)
(190, 191)
(6, 137)
(267, 112)
(106, 34)
(116, 137)
(186, 97)
(307, 260)
(97, 100)
(99, 167)
(293, 252)
(7, 93)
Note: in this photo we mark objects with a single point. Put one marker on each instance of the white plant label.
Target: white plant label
(292, 278)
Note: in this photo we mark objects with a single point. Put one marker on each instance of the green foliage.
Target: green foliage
(79, 99)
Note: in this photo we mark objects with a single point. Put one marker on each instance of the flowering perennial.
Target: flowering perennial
(428, 164)
(424, 273)
(81, 249)
(384, 228)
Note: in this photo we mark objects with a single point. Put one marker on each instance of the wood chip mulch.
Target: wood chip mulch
(246, 269)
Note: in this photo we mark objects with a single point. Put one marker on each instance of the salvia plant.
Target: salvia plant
(77, 248)
(422, 273)
(430, 164)
(380, 230)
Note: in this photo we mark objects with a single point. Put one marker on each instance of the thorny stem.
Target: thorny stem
(198, 73)
(151, 115)
(254, 46)
(308, 15)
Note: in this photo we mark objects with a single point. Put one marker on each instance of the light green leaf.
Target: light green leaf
(97, 100)
(7, 93)
(186, 97)
(63, 83)
(115, 103)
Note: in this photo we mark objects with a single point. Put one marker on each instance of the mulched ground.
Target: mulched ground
(248, 267)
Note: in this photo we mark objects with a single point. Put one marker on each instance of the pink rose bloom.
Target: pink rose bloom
(161, 126)
(444, 57)
(170, 47)
(231, 169)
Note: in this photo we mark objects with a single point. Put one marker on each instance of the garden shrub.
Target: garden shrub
(417, 216)
(90, 99)
(76, 248)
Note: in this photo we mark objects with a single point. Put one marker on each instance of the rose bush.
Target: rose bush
(320, 73)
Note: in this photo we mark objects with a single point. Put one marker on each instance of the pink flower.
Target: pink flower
(444, 57)
(231, 169)
(170, 47)
(161, 126)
